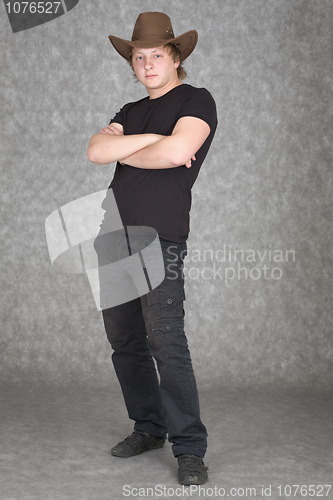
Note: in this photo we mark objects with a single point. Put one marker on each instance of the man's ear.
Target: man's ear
(177, 62)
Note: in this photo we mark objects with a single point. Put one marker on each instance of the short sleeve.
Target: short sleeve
(118, 117)
(200, 104)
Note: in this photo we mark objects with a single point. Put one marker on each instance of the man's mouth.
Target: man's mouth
(150, 76)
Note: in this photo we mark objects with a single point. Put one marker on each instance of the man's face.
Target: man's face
(154, 68)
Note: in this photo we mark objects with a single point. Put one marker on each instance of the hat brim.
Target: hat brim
(185, 43)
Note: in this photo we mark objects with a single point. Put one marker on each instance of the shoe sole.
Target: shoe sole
(195, 482)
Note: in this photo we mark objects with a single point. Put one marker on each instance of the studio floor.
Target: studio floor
(55, 445)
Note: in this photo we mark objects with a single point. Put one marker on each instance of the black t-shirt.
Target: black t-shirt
(161, 198)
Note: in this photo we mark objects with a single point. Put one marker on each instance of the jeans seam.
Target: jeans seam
(149, 373)
(193, 394)
(176, 374)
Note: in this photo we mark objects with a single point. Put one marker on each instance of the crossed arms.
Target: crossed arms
(151, 151)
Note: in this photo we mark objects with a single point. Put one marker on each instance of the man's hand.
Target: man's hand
(149, 150)
(188, 164)
(111, 129)
(110, 144)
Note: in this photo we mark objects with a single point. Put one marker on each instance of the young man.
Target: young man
(159, 143)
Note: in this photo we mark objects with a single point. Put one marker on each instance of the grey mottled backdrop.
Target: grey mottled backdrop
(259, 301)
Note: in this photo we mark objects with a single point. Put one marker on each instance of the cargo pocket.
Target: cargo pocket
(166, 333)
(167, 326)
(168, 339)
(166, 303)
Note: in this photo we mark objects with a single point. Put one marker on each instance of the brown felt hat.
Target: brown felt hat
(154, 29)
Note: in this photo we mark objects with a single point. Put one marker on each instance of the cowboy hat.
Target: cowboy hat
(154, 29)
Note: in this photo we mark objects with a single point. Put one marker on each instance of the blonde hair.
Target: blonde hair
(174, 51)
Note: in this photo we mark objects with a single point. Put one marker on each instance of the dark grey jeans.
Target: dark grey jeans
(153, 325)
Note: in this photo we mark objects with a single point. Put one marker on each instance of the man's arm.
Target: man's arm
(110, 144)
(175, 150)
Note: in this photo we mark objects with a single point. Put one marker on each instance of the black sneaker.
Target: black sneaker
(192, 470)
(137, 443)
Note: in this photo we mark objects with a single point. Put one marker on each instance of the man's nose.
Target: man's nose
(149, 63)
